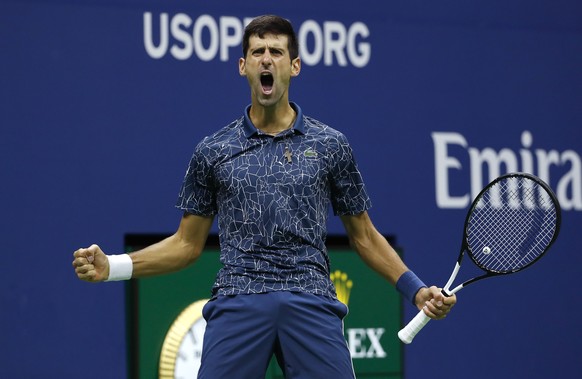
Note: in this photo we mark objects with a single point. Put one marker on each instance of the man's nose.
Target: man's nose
(267, 59)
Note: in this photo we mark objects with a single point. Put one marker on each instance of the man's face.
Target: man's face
(268, 68)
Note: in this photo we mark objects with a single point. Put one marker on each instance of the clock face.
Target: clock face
(190, 351)
(182, 347)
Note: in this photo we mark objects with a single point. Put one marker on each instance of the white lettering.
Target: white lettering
(443, 162)
(178, 27)
(334, 46)
(310, 27)
(355, 339)
(361, 56)
(208, 39)
(493, 161)
(487, 163)
(365, 343)
(545, 160)
(375, 350)
(571, 183)
(526, 155)
(153, 51)
(229, 40)
(205, 22)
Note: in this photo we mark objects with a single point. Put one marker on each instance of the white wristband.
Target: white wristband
(120, 267)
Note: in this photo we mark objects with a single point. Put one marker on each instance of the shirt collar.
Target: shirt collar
(298, 127)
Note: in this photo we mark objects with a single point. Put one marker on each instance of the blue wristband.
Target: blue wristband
(408, 285)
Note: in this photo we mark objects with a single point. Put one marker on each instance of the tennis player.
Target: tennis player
(270, 177)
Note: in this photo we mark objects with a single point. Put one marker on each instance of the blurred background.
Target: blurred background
(102, 103)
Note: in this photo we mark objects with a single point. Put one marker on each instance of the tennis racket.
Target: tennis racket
(512, 222)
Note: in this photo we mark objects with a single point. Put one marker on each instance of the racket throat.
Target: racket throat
(446, 289)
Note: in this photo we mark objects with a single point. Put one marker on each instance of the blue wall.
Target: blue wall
(96, 132)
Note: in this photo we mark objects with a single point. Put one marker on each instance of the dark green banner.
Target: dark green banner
(165, 327)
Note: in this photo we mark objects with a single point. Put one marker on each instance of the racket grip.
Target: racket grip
(408, 333)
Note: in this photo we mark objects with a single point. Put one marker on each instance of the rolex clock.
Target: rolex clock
(182, 347)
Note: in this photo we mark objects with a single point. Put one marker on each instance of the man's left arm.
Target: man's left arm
(379, 255)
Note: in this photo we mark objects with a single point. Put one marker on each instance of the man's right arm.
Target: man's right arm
(169, 255)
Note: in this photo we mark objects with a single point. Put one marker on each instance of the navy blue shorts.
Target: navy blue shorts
(304, 331)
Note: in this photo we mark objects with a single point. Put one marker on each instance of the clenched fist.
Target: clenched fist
(91, 264)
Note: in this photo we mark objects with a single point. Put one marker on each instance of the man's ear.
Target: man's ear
(242, 66)
(295, 66)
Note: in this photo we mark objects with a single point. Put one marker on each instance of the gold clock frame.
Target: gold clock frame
(175, 335)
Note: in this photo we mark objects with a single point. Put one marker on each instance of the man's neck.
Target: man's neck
(274, 119)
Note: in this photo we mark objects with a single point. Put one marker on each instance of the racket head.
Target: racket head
(512, 223)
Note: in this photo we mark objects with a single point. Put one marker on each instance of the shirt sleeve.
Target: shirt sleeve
(198, 192)
(348, 192)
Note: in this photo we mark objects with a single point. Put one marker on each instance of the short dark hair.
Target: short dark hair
(271, 24)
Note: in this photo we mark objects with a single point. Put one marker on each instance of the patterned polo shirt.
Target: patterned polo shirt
(272, 196)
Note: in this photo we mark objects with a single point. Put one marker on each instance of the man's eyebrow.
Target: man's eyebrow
(271, 48)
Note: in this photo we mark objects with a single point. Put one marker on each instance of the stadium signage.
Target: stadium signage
(566, 166)
(362, 342)
(365, 342)
(208, 38)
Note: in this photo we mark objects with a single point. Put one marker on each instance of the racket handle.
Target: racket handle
(408, 333)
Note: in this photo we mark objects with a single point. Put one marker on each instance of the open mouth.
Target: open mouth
(267, 82)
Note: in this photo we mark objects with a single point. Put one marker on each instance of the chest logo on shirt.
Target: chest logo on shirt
(309, 153)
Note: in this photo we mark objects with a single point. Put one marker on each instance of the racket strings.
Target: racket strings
(511, 225)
